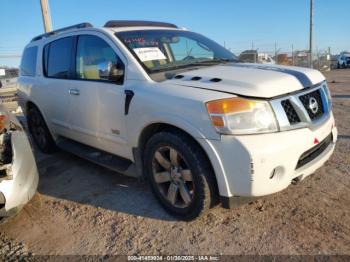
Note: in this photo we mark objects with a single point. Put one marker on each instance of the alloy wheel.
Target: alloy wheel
(173, 177)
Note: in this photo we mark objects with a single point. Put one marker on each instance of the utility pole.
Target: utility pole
(292, 54)
(311, 31)
(45, 10)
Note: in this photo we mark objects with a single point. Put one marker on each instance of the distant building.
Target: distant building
(301, 58)
(253, 56)
(282, 59)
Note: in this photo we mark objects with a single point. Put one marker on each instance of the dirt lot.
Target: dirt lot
(81, 208)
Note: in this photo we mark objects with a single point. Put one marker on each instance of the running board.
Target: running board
(97, 156)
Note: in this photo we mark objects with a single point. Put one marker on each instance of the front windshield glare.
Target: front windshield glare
(166, 50)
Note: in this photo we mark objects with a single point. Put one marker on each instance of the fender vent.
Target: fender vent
(215, 80)
(179, 77)
(196, 78)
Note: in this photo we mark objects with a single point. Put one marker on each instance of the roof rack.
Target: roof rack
(77, 26)
(127, 23)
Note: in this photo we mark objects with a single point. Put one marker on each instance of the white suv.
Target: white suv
(150, 99)
(344, 60)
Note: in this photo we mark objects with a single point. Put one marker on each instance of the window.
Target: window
(28, 63)
(45, 58)
(57, 58)
(96, 60)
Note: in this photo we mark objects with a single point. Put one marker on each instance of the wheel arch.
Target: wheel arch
(30, 104)
(154, 128)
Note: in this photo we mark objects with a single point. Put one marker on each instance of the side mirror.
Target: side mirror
(111, 72)
(104, 70)
(117, 73)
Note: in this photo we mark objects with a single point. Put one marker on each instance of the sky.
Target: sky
(237, 24)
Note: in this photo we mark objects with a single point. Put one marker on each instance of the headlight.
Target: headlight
(241, 116)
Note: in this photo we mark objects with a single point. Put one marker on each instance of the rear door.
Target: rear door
(57, 62)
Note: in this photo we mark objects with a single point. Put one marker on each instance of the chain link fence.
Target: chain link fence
(322, 60)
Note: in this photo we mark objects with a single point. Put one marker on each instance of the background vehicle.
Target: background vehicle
(150, 99)
(18, 173)
(344, 60)
(265, 58)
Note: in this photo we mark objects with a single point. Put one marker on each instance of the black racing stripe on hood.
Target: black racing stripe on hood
(302, 78)
(249, 96)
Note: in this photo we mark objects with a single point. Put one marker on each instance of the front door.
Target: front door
(97, 100)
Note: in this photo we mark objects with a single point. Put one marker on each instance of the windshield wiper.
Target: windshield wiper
(214, 61)
(226, 60)
(172, 67)
(207, 62)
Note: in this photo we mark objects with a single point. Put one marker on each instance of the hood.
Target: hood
(255, 80)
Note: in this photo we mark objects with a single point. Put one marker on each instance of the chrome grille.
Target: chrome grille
(295, 110)
(307, 99)
(292, 115)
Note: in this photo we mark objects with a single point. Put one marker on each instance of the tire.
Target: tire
(184, 183)
(39, 131)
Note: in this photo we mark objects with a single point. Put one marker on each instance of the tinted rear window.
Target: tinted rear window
(28, 63)
(57, 58)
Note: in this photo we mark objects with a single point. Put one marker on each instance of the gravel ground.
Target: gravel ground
(84, 209)
(10, 250)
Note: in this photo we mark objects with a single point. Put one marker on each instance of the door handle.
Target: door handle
(74, 92)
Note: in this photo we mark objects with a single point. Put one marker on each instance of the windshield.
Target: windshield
(168, 50)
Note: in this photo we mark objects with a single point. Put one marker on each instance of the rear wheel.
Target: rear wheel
(39, 131)
(180, 175)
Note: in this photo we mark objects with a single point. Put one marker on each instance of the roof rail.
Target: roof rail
(77, 26)
(127, 23)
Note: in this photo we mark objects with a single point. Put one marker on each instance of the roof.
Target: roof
(137, 23)
(114, 25)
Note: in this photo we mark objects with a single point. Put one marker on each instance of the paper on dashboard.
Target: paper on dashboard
(149, 53)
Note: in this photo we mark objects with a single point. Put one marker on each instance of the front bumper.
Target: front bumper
(258, 165)
(21, 182)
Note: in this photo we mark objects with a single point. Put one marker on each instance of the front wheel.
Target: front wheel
(180, 174)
